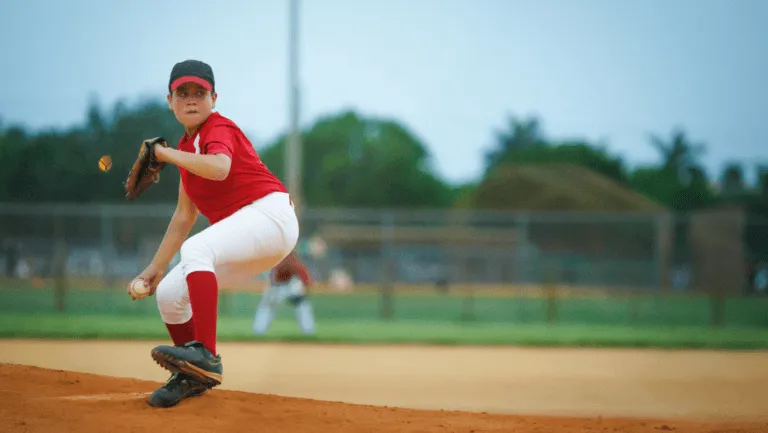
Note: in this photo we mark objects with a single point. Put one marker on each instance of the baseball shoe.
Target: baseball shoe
(193, 359)
(176, 389)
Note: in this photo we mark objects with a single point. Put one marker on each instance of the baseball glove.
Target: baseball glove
(146, 169)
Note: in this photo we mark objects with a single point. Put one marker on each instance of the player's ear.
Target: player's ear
(214, 96)
(170, 106)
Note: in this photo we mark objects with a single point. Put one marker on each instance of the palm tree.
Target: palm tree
(733, 179)
(679, 154)
(519, 134)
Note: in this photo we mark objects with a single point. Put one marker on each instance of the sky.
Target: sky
(452, 71)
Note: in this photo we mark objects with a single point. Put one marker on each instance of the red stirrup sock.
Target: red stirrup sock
(182, 333)
(204, 297)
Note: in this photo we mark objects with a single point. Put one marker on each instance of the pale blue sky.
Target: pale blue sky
(449, 69)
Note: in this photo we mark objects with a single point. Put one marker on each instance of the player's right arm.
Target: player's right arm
(301, 271)
(182, 221)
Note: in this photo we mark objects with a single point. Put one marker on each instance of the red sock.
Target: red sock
(204, 297)
(182, 333)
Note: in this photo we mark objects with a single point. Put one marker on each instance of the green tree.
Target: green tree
(128, 127)
(732, 181)
(762, 181)
(570, 152)
(519, 134)
(62, 165)
(678, 182)
(679, 155)
(13, 159)
(349, 160)
(524, 142)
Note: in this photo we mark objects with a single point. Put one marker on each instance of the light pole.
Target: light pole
(293, 144)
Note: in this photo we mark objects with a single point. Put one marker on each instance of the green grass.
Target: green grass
(124, 327)
(661, 321)
(618, 311)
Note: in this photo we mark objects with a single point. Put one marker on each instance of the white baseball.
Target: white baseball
(139, 289)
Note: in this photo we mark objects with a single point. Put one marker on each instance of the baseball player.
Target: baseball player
(253, 226)
(288, 281)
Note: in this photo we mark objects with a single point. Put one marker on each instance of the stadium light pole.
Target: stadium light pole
(293, 144)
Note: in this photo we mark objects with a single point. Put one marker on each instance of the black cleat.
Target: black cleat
(192, 359)
(176, 389)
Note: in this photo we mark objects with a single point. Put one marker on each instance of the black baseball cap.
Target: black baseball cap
(193, 71)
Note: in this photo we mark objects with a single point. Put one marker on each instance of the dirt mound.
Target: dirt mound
(42, 400)
(556, 187)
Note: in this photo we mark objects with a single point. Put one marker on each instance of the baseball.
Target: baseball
(138, 289)
(105, 163)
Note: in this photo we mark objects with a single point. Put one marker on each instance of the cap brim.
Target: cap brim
(190, 79)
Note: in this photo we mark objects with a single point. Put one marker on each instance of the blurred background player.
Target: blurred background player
(288, 283)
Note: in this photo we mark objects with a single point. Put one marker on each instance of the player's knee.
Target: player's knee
(171, 305)
(196, 255)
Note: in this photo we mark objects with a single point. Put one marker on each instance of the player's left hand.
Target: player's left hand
(146, 169)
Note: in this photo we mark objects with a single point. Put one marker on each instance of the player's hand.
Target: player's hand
(151, 276)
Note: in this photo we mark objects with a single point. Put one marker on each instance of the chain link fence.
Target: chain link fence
(66, 249)
(613, 251)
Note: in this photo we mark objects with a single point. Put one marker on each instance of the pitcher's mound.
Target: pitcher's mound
(41, 400)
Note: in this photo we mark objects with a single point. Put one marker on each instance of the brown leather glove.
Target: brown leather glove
(146, 169)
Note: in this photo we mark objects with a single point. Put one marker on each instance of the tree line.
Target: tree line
(350, 160)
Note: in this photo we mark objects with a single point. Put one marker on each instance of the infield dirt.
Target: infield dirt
(92, 386)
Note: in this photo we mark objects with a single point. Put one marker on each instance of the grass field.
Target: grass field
(671, 321)
(116, 327)
(667, 310)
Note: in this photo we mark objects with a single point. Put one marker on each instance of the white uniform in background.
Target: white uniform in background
(287, 284)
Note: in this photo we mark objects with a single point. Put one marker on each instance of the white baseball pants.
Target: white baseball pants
(247, 243)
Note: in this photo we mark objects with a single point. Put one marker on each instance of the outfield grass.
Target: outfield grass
(616, 311)
(669, 321)
(124, 327)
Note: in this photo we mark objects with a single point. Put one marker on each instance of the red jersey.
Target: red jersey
(248, 179)
(288, 268)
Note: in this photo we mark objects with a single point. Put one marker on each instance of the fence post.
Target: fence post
(522, 250)
(59, 263)
(387, 239)
(551, 293)
(468, 306)
(717, 288)
(717, 300)
(718, 297)
(663, 249)
(107, 245)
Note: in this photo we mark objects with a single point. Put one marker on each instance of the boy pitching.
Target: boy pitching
(288, 281)
(253, 226)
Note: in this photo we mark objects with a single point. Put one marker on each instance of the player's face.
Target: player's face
(192, 104)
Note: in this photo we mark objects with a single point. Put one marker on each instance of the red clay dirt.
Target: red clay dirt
(36, 399)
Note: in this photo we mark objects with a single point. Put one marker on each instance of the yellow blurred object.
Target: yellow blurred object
(105, 163)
